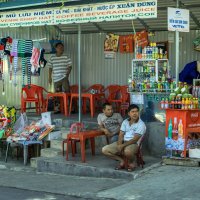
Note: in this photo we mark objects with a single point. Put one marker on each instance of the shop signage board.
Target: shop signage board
(80, 14)
(178, 20)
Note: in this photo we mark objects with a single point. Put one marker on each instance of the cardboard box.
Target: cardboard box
(194, 153)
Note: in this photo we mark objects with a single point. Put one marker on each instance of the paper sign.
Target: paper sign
(178, 20)
(137, 98)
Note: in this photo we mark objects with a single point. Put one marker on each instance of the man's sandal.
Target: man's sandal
(131, 168)
(120, 167)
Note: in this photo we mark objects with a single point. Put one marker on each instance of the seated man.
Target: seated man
(110, 122)
(131, 131)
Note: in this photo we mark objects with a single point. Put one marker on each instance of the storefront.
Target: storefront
(101, 70)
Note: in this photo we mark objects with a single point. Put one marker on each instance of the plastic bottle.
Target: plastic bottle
(170, 129)
(175, 129)
(180, 129)
(186, 104)
(179, 102)
(162, 103)
(183, 104)
(166, 103)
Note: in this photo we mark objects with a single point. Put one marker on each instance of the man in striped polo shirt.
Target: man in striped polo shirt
(60, 68)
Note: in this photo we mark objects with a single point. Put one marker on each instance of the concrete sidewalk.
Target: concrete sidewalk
(15, 175)
(96, 166)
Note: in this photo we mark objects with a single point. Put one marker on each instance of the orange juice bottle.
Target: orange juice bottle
(180, 129)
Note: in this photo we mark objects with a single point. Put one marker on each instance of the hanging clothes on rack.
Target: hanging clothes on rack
(28, 54)
(14, 53)
(21, 53)
(25, 52)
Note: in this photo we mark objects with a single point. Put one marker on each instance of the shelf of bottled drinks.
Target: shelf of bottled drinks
(182, 115)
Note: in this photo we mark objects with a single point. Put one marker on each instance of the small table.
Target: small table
(63, 95)
(82, 136)
(91, 97)
(25, 147)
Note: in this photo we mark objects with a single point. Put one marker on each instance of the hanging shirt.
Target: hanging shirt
(61, 66)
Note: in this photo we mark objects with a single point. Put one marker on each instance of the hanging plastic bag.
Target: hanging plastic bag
(46, 118)
(21, 122)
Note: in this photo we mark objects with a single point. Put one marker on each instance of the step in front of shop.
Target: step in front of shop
(76, 169)
(188, 162)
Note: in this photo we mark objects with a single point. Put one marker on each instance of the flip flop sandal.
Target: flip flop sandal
(131, 168)
(119, 167)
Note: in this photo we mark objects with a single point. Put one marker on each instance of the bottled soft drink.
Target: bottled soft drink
(179, 102)
(166, 103)
(180, 129)
(183, 104)
(175, 129)
(162, 103)
(170, 129)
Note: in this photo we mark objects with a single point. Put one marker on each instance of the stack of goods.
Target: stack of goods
(153, 86)
(35, 131)
(150, 52)
(151, 76)
(7, 120)
(181, 99)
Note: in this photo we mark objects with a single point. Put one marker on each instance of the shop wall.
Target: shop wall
(95, 68)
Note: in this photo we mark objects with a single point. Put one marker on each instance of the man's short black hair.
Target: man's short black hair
(59, 43)
(106, 104)
(133, 106)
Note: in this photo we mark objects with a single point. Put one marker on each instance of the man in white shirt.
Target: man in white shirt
(60, 68)
(127, 145)
(110, 122)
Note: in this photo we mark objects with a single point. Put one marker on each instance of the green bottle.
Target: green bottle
(170, 127)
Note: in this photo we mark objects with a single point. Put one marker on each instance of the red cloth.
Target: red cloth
(126, 43)
(142, 38)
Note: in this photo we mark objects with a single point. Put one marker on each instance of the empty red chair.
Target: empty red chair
(95, 95)
(42, 92)
(112, 93)
(30, 94)
(75, 128)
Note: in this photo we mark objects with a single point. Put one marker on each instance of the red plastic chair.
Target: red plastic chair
(112, 93)
(125, 99)
(74, 88)
(75, 128)
(63, 98)
(86, 94)
(95, 95)
(138, 154)
(30, 94)
(42, 92)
